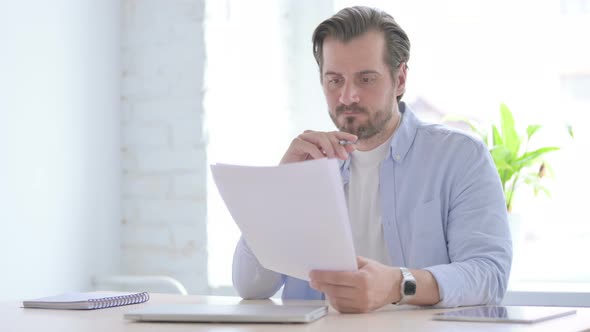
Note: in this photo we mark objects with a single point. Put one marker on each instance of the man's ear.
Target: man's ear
(400, 79)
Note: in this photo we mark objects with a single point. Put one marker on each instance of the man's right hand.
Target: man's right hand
(318, 144)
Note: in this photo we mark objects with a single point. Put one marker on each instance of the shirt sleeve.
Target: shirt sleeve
(250, 279)
(478, 237)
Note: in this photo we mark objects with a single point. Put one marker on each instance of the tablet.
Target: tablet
(234, 313)
(505, 314)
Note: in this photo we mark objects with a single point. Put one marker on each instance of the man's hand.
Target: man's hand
(371, 287)
(316, 145)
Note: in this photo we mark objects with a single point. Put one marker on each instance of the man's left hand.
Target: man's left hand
(371, 287)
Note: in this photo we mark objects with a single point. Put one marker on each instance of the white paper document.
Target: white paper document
(294, 216)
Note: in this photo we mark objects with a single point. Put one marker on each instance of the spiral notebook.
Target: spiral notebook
(87, 301)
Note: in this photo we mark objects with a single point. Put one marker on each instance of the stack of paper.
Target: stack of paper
(293, 216)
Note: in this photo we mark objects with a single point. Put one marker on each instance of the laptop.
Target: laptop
(233, 313)
(505, 314)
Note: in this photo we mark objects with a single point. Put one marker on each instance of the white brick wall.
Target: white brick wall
(164, 151)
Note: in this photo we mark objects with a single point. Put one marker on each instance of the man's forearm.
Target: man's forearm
(427, 292)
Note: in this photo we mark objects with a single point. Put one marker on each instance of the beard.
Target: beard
(375, 122)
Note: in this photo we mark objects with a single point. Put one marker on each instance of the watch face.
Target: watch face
(409, 288)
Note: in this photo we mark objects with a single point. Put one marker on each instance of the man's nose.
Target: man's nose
(349, 94)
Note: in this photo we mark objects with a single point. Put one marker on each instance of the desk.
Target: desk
(390, 318)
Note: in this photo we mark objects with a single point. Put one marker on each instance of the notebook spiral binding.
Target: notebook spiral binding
(116, 301)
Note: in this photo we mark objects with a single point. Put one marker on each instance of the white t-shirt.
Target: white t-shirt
(364, 205)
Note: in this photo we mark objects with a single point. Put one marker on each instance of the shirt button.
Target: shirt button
(398, 157)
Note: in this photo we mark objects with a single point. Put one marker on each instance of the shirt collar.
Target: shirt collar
(400, 143)
(404, 135)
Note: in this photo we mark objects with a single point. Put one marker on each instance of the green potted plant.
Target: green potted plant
(511, 155)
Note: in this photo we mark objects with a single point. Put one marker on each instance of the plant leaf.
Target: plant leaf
(502, 159)
(496, 138)
(531, 130)
(570, 130)
(457, 118)
(511, 138)
(543, 189)
(533, 180)
(529, 158)
(502, 165)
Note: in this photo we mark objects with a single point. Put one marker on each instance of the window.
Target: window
(467, 57)
(246, 117)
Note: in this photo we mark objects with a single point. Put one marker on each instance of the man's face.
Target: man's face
(360, 92)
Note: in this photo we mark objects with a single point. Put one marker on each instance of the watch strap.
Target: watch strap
(407, 276)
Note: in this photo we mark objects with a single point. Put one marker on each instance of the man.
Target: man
(426, 206)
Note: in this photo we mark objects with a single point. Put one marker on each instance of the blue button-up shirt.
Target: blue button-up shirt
(443, 210)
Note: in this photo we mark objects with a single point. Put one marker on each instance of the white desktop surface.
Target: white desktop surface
(390, 318)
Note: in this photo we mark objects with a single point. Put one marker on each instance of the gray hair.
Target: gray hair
(352, 22)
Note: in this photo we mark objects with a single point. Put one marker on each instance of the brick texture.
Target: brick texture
(164, 151)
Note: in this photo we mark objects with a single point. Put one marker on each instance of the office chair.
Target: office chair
(138, 283)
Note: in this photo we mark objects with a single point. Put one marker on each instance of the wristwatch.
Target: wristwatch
(408, 286)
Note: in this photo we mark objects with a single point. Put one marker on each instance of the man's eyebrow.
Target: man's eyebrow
(363, 72)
